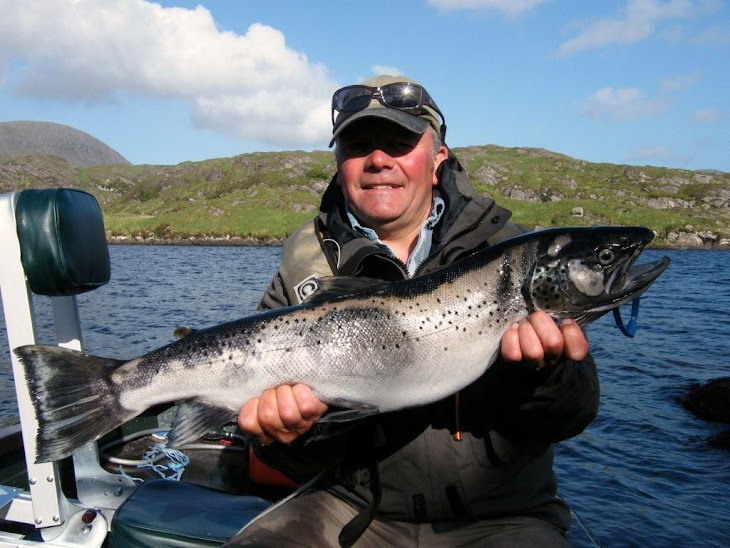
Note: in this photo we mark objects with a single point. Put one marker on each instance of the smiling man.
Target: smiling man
(475, 468)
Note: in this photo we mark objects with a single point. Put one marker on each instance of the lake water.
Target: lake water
(641, 475)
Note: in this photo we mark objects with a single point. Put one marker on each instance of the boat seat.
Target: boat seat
(171, 514)
(53, 243)
(62, 241)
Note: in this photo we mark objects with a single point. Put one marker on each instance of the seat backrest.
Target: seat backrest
(62, 241)
(53, 243)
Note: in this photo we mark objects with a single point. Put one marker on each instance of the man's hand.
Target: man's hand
(539, 340)
(281, 414)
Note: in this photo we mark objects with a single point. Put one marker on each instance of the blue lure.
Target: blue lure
(628, 329)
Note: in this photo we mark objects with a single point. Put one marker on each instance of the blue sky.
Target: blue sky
(643, 82)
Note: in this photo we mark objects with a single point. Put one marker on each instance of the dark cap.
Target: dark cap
(416, 123)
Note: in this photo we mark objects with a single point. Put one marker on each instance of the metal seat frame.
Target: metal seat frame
(44, 505)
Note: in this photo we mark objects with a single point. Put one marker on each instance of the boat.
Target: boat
(127, 489)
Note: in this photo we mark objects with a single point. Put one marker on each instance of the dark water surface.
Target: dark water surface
(641, 475)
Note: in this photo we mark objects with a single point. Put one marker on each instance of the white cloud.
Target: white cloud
(622, 104)
(249, 85)
(639, 20)
(386, 69)
(706, 116)
(680, 82)
(714, 36)
(511, 7)
(656, 153)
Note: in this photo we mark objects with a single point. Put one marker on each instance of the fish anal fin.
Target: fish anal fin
(194, 418)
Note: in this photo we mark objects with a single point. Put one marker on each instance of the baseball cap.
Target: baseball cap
(416, 123)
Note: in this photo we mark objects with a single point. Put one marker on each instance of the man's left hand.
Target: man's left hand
(540, 341)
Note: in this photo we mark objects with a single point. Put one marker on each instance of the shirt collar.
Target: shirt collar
(425, 234)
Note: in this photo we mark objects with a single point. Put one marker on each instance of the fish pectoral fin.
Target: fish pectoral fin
(194, 418)
(349, 415)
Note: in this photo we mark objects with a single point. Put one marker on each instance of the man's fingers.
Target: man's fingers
(288, 410)
(280, 414)
(576, 344)
(268, 412)
(539, 340)
(310, 408)
(530, 344)
(510, 349)
(248, 418)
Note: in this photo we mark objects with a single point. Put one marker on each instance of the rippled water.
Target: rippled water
(641, 475)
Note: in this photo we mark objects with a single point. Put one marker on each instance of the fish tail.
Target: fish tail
(74, 398)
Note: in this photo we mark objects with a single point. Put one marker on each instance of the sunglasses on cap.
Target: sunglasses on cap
(404, 96)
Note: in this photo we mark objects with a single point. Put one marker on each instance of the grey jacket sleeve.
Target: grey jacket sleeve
(275, 295)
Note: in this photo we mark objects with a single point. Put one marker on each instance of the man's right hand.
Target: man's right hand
(281, 414)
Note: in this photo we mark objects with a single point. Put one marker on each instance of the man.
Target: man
(475, 468)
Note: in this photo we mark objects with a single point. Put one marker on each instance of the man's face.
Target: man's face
(387, 174)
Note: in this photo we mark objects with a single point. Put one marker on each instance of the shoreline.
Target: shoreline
(249, 241)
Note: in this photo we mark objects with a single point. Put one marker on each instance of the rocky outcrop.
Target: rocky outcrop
(709, 401)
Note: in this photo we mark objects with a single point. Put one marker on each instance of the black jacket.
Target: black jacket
(509, 417)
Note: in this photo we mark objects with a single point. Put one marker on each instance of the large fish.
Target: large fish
(365, 345)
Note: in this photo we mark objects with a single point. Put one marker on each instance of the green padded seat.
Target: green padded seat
(166, 514)
(62, 241)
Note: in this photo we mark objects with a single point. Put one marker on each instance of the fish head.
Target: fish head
(581, 273)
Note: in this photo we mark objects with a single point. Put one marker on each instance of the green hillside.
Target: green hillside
(262, 197)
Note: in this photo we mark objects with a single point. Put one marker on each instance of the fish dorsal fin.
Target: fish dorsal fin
(194, 418)
(332, 288)
(182, 332)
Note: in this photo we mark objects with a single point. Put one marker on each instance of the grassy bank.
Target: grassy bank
(263, 197)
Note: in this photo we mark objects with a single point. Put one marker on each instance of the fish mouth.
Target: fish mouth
(632, 280)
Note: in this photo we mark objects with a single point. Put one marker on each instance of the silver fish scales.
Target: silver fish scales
(365, 345)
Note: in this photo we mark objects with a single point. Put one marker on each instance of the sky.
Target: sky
(641, 82)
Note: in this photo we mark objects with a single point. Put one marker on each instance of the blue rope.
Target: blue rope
(176, 466)
(630, 328)
(125, 475)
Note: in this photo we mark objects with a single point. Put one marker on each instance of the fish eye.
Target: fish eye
(606, 256)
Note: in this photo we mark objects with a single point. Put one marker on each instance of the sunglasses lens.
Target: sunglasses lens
(401, 95)
(352, 99)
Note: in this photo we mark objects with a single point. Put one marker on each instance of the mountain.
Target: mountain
(262, 197)
(47, 138)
